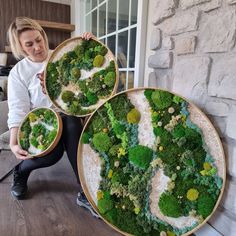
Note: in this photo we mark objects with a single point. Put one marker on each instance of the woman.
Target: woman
(29, 41)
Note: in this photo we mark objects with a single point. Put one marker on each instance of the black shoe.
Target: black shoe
(19, 186)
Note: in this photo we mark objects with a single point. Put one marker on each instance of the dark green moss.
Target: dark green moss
(169, 205)
(205, 205)
(140, 156)
(162, 99)
(106, 203)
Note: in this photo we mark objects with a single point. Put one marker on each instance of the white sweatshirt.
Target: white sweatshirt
(25, 91)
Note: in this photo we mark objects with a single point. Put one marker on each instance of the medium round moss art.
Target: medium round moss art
(80, 75)
(40, 131)
(150, 163)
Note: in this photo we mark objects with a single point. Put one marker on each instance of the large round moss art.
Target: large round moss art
(80, 75)
(151, 163)
(40, 131)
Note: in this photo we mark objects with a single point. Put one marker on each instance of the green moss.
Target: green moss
(140, 156)
(102, 142)
(67, 96)
(119, 177)
(110, 79)
(178, 131)
(111, 216)
(24, 143)
(38, 130)
(121, 105)
(85, 138)
(74, 108)
(82, 85)
(52, 84)
(51, 136)
(126, 221)
(194, 139)
(75, 73)
(205, 205)
(105, 204)
(114, 150)
(99, 121)
(95, 85)
(98, 61)
(26, 128)
(133, 116)
(199, 155)
(177, 99)
(165, 136)
(118, 128)
(34, 142)
(162, 99)
(169, 205)
(92, 98)
(50, 118)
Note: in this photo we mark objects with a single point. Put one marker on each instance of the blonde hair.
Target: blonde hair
(19, 25)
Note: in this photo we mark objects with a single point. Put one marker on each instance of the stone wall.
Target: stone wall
(194, 54)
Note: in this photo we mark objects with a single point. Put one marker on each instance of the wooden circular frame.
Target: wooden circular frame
(195, 109)
(56, 139)
(67, 46)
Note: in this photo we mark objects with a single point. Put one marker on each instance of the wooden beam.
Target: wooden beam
(56, 25)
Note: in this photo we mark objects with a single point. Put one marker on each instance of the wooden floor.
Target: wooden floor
(51, 206)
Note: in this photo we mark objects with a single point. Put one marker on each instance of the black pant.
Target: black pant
(72, 129)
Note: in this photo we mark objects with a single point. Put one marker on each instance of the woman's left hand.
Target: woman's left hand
(41, 78)
(87, 35)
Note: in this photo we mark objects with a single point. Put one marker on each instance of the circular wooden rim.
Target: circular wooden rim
(56, 139)
(54, 54)
(81, 170)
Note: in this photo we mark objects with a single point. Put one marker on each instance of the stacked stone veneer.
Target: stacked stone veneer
(194, 54)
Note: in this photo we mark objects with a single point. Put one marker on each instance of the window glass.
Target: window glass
(123, 14)
(94, 22)
(122, 49)
(132, 47)
(111, 43)
(111, 16)
(94, 3)
(134, 11)
(88, 6)
(102, 20)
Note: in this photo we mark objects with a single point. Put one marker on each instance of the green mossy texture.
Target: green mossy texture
(36, 133)
(67, 71)
(128, 166)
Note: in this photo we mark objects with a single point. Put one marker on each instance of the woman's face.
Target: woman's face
(33, 44)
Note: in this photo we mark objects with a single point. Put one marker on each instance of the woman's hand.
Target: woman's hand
(41, 78)
(87, 35)
(20, 153)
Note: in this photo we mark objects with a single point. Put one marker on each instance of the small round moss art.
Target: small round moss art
(151, 163)
(80, 75)
(40, 131)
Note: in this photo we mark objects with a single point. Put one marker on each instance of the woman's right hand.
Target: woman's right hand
(20, 153)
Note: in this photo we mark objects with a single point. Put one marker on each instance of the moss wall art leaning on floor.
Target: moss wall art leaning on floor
(157, 173)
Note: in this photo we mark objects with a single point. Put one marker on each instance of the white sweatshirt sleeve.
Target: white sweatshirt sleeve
(18, 99)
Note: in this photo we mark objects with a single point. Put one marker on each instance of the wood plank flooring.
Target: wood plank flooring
(51, 206)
